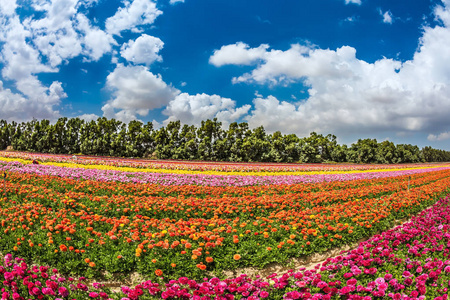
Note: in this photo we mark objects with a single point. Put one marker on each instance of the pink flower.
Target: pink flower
(35, 291)
(406, 274)
(348, 275)
(383, 287)
(48, 291)
(8, 276)
(62, 291)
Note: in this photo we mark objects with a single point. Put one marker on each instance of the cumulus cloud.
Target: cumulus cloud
(54, 34)
(133, 15)
(8, 7)
(440, 137)
(192, 109)
(88, 117)
(96, 41)
(42, 44)
(298, 62)
(41, 106)
(135, 91)
(144, 50)
(238, 54)
(347, 94)
(21, 61)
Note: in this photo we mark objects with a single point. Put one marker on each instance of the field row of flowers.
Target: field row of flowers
(188, 167)
(86, 226)
(210, 178)
(408, 262)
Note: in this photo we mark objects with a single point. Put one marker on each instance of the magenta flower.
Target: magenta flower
(48, 291)
(62, 291)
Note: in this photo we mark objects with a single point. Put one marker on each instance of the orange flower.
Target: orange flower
(158, 272)
(236, 257)
(63, 248)
(209, 259)
(91, 264)
(173, 265)
(87, 260)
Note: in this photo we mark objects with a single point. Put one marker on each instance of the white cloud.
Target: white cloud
(96, 41)
(238, 54)
(135, 91)
(134, 14)
(8, 7)
(42, 44)
(442, 13)
(19, 57)
(176, 1)
(348, 95)
(21, 61)
(88, 117)
(298, 62)
(17, 107)
(54, 35)
(353, 1)
(387, 16)
(192, 109)
(440, 137)
(142, 51)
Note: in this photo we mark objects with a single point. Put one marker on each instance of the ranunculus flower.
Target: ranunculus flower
(62, 291)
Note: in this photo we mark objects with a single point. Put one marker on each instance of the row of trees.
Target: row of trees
(110, 137)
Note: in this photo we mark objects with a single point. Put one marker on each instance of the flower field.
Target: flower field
(177, 223)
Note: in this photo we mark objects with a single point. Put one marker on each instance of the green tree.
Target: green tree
(208, 133)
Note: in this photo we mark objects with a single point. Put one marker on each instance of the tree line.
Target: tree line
(110, 137)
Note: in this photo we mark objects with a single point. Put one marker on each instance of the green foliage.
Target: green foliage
(211, 142)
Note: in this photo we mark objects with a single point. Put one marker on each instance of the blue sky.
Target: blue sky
(353, 68)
